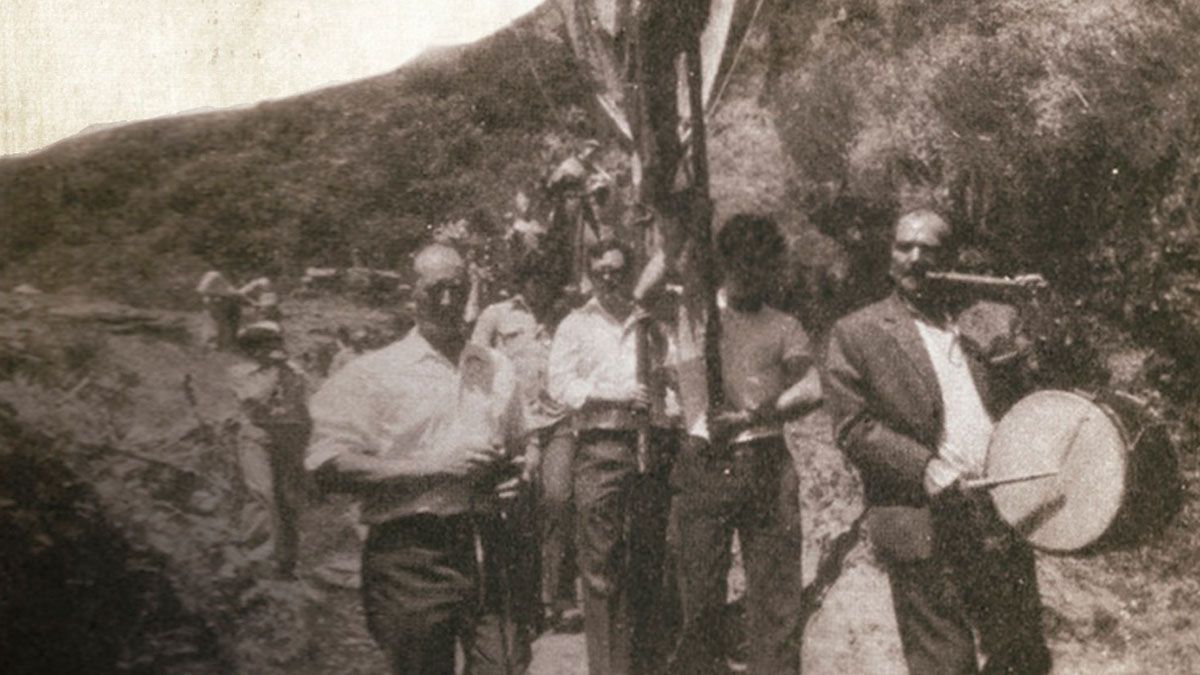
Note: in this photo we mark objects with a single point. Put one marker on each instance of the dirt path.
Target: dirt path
(1105, 614)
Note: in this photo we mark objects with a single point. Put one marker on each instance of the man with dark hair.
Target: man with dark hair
(736, 473)
(622, 511)
(914, 410)
(521, 328)
(425, 432)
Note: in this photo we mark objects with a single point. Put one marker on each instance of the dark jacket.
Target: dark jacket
(886, 406)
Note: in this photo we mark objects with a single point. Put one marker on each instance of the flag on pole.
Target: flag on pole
(657, 68)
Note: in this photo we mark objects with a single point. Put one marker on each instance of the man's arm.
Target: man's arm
(871, 444)
(343, 451)
(485, 328)
(799, 399)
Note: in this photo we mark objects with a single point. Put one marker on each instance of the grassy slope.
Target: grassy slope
(139, 211)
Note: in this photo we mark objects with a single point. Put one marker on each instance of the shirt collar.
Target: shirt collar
(418, 349)
(594, 307)
(518, 301)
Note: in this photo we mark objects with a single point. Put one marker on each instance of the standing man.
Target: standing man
(272, 395)
(521, 328)
(424, 431)
(744, 479)
(223, 303)
(622, 511)
(914, 412)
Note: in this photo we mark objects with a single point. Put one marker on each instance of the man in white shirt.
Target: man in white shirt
(744, 479)
(425, 432)
(622, 511)
(913, 411)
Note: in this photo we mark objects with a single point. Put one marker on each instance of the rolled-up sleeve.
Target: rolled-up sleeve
(344, 418)
(797, 349)
(565, 384)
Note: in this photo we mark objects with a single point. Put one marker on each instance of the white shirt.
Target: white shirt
(511, 328)
(967, 427)
(408, 400)
(594, 356)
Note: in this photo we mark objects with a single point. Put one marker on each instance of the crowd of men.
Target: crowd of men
(497, 462)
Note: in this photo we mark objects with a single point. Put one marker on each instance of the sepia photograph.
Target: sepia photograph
(600, 337)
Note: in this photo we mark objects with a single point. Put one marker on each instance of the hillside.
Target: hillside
(140, 210)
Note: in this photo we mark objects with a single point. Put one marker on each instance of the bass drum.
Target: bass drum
(1115, 473)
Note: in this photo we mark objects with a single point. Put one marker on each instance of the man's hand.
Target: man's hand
(725, 423)
(476, 463)
(531, 462)
(510, 489)
(638, 396)
(940, 476)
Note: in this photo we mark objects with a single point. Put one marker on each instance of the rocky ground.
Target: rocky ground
(130, 408)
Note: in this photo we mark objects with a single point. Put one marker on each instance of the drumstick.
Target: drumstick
(983, 483)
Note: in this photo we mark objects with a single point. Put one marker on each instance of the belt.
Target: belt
(610, 416)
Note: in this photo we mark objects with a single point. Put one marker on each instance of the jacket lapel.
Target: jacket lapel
(901, 326)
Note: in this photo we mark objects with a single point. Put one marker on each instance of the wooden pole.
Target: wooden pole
(702, 231)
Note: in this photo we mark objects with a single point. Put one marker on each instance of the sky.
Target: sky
(68, 64)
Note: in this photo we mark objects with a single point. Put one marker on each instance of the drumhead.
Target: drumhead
(1063, 431)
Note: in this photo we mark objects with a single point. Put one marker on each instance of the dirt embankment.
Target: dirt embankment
(129, 483)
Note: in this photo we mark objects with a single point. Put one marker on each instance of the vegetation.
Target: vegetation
(141, 211)
(1061, 135)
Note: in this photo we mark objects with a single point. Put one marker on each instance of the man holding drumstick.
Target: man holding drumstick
(914, 412)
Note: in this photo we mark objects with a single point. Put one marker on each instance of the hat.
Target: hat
(260, 332)
(214, 283)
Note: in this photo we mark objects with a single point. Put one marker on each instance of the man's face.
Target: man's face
(572, 202)
(749, 279)
(610, 275)
(441, 291)
(919, 246)
(538, 292)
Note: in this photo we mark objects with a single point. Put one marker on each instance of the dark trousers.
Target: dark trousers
(621, 542)
(753, 489)
(557, 510)
(422, 593)
(981, 577)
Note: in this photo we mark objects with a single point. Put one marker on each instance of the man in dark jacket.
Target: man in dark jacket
(913, 410)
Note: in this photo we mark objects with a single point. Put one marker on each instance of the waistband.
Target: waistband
(425, 528)
(609, 416)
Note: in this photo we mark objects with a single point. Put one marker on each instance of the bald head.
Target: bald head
(440, 293)
(438, 260)
(920, 244)
(925, 221)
